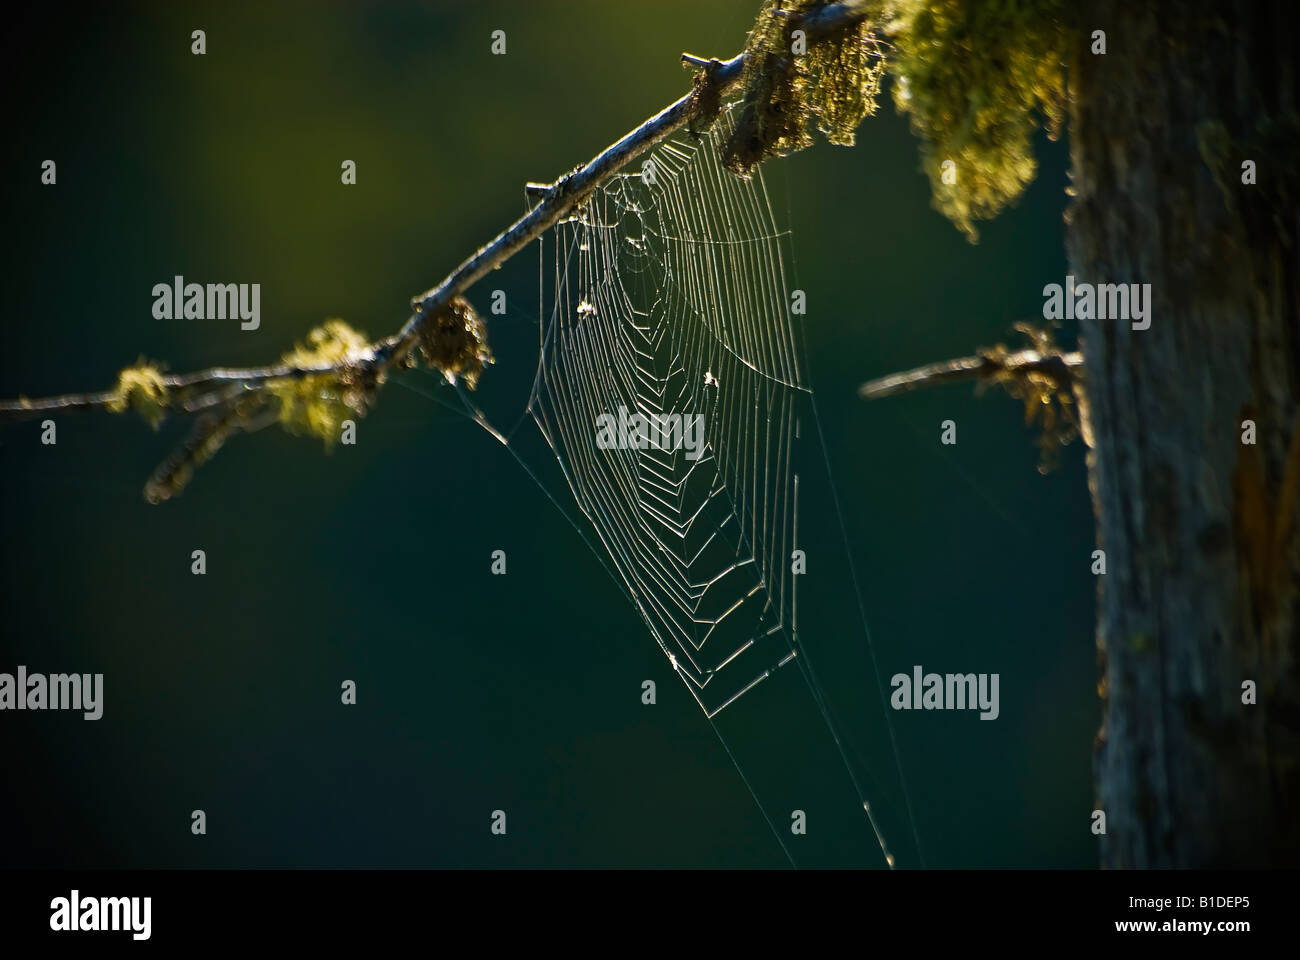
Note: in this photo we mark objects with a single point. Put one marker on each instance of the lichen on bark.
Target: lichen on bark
(978, 78)
(454, 342)
(792, 85)
(141, 388)
(317, 404)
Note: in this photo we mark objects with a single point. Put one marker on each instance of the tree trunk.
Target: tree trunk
(1201, 530)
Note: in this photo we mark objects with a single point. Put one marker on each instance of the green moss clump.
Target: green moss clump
(317, 404)
(142, 389)
(707, 96)
(454, 341)
(793, 84)
(978, 78)
(844, 75)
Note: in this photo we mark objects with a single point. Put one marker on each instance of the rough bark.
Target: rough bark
(1201, 531)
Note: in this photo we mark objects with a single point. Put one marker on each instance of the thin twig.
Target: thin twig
(24, 409)
(195, 389)
(1060, 365)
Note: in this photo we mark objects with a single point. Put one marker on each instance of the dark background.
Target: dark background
(370, 563)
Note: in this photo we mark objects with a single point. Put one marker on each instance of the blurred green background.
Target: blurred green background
(370, 563)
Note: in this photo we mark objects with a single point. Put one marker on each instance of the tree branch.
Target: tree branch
(575, 186)
(558, 200)
(1046, 379)
(196, 386)
(217, 393)
(983, 366)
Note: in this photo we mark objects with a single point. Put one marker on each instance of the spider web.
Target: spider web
(670, 301)
(666, 296)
